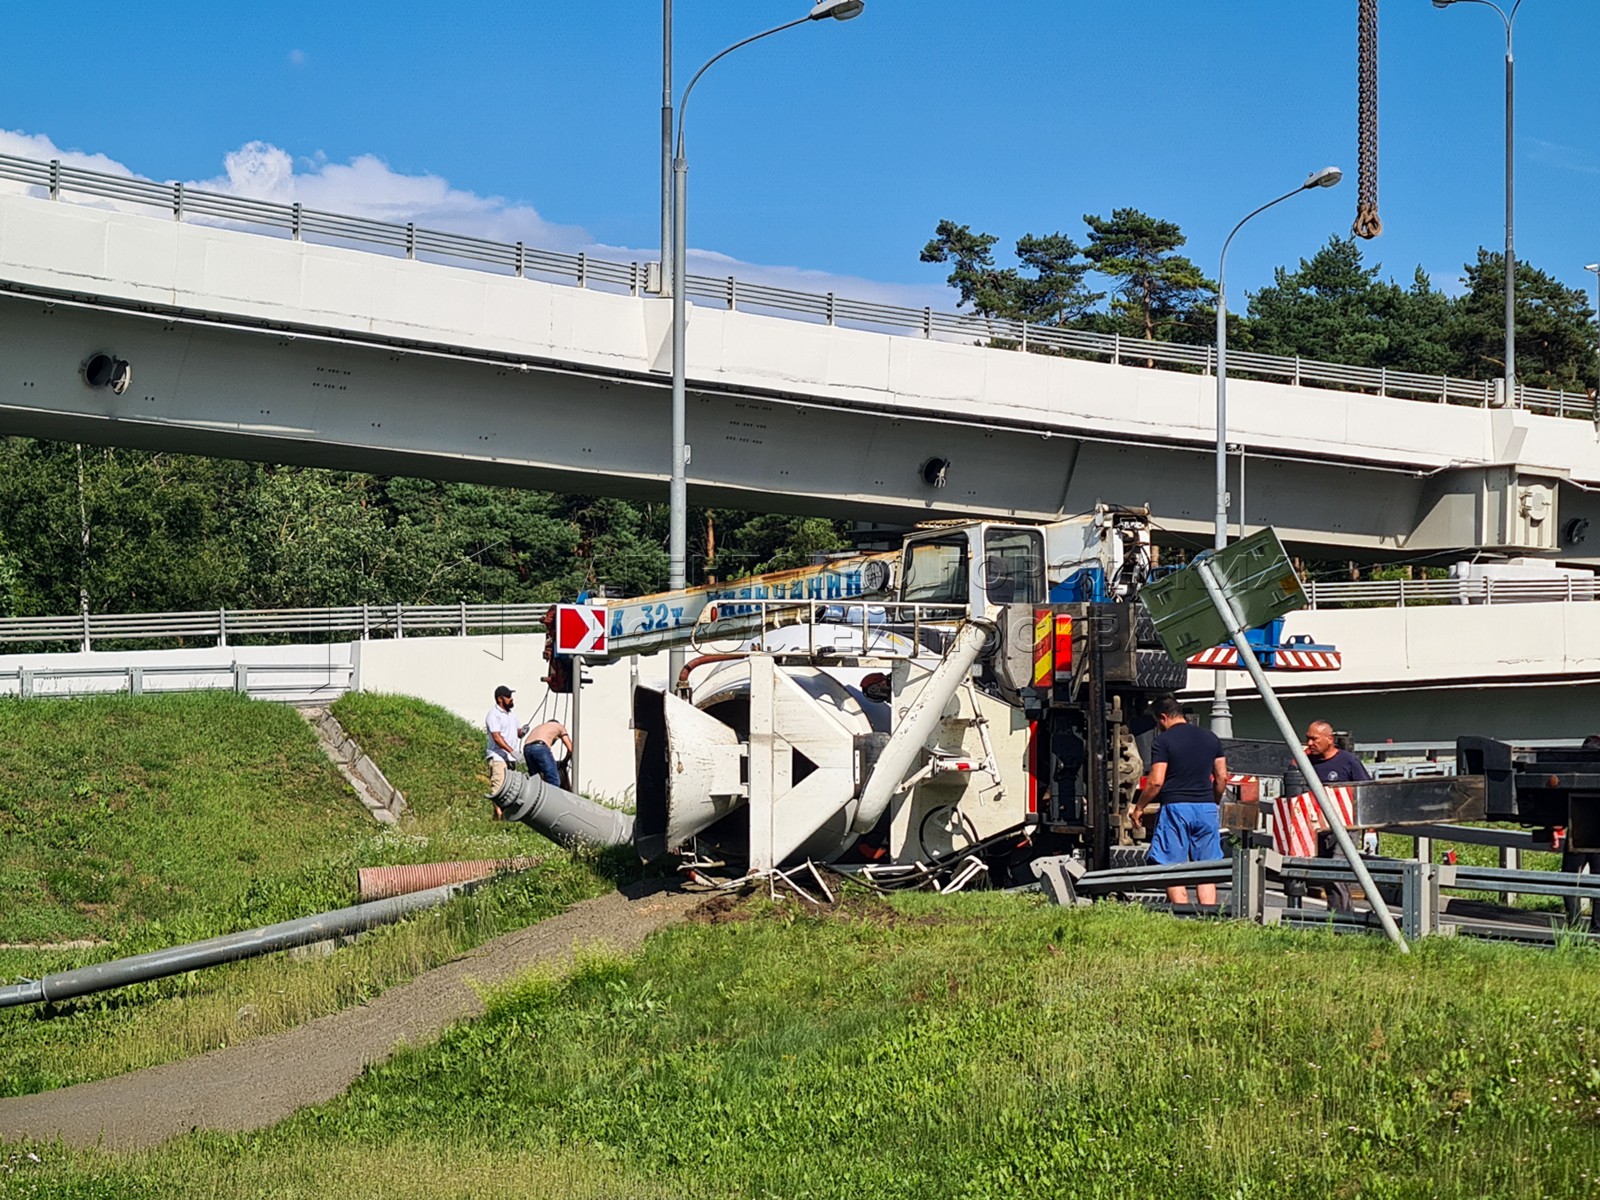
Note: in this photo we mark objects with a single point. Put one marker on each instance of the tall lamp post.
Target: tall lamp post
(1595, 267)
(678, 496)
(1221, 713)
(1507, 19)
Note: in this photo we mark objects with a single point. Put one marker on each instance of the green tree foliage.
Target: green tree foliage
(1335, 308)
(129, 531)
(1156, 293)
(1052, 294)
(752, 544)
(1555, 339)
(152, 529)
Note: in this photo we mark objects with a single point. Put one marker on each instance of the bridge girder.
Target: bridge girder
(330, 399)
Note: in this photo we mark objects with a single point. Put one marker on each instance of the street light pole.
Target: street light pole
(1595, 267)
(666, 143)
(678, 494)
(1221, 713)
(1507, 19)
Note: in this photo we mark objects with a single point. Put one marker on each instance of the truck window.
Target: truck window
(1013, 566)
(935, 572)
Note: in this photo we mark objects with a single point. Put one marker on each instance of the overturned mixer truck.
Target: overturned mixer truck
(979, 696)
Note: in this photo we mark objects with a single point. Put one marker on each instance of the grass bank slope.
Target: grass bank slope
(139, 823)
(975, 1046)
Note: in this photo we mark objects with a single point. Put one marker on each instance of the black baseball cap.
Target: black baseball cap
(502, 692)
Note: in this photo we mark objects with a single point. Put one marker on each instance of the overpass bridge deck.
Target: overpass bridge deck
(299, 348)
(60, 181)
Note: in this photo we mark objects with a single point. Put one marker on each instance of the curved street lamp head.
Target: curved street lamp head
(1443, 3)
(1591, 266)
(839, 10)
(1326, 177)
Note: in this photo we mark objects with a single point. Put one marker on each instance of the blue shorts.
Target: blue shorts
(1187, 833)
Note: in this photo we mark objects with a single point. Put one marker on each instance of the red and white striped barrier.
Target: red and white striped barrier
(1296, 819)
(1282, 660)
(1307, 660)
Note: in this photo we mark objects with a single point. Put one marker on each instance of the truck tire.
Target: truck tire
(1155, 671)
(1128, 856)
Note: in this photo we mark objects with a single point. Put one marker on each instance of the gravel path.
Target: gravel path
(260, 1082)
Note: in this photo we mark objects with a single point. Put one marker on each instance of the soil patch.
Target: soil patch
(849, 904)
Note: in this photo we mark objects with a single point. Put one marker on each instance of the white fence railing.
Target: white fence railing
(57, 180)
(364, 621)
(1398, 593)
(295, 682)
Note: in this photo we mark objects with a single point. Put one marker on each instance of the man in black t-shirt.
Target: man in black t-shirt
(1190, 774)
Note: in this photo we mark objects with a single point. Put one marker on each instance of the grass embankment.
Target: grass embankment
(137, 824)
(972, 1046)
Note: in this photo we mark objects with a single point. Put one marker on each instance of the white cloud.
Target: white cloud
(1566, 158)
(366, 186)
(38, 146)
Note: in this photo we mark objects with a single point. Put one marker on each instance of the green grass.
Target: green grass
(147, 822)
(169, 811)
(972, 1046)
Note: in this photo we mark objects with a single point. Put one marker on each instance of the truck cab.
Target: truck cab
(988, 565)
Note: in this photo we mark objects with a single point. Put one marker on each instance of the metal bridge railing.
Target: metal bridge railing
(56, 180)
(1398, 593)
(364, 621)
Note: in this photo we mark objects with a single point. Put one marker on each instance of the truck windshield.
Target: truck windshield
(1013, 566)
(935, 572)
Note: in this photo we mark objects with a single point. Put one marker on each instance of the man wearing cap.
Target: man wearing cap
(504, 738)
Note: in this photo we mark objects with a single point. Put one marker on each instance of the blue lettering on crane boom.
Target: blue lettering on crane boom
(650, 617)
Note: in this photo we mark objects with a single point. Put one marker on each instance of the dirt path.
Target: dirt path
(260, 1082)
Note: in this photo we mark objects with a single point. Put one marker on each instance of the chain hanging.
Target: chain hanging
(1368, 224)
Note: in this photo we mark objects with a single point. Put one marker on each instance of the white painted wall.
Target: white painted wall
(1465, 644)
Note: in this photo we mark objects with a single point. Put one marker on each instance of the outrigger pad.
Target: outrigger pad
(1056, 875)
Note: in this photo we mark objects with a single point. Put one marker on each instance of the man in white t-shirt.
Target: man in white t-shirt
(503, 740)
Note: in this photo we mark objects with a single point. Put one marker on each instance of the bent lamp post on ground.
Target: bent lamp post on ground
(677, 537)
(1508, 20)
(1221, 713)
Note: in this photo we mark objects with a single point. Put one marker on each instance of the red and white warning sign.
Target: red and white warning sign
(580, 629)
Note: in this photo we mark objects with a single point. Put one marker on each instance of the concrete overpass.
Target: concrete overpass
(287, 349)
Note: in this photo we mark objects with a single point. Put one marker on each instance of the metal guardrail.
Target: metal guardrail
(367, 621)
(321, 679)
(1392, 593)
(56, 180)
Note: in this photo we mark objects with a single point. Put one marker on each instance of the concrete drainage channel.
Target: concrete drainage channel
(380, 797)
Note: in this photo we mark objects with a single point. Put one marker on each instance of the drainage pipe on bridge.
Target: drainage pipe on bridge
(302, 931)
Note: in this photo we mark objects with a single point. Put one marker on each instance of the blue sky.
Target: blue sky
(824, 156)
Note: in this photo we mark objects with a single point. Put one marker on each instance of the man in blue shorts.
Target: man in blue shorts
(1189, 773)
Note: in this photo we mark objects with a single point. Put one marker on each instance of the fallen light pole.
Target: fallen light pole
(248, 943)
